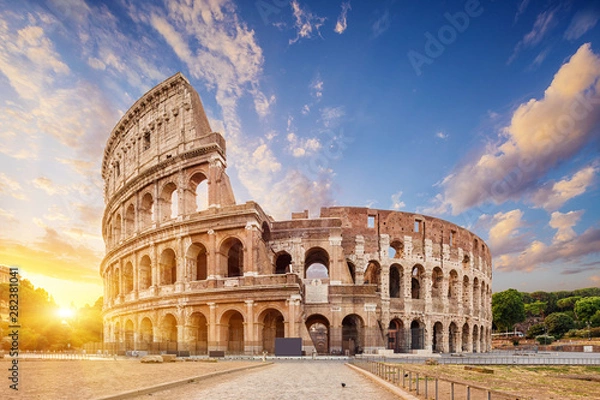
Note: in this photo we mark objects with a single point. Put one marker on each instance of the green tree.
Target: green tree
(536, 330)
(507, 309)
(558, 324)
(568, 303)
(586, 308)
(535, 309)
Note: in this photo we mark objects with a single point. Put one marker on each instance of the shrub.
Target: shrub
(544, 339)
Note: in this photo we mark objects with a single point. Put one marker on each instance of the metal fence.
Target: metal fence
(533, 359)
(428, 386)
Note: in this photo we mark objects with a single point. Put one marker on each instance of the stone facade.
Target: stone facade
(189, 269)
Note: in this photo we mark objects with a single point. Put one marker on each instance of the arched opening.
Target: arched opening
(168, 268)
(482, 340)
(117, 228)
(272, 328)
(466, 261)
(129, 345)
(352, 334)
(199, 189)
(147, 211)
(373, 274)
(395, 280)
(145, 273)
(352, 270)
(475, 339)
(396, 249)
(283, 263)
(417, 285)
(465, 337)
(453, 286)
(128, 278)
(130, 221)
(318, 328)
(168, 329)
(437, 280)
(396, 339)
(146, 334)
(234, 321)
(266, 232)
(116, 284)
(197, 262)
(316, 263)
(438, 338)
(117, 333)
(198, 333)
(476, 295)
(417, 336)
(234, 252)
(168, 202)
(453, 337)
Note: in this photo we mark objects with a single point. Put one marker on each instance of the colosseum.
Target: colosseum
(189, 270)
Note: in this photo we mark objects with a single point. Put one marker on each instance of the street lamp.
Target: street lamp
(589, 333)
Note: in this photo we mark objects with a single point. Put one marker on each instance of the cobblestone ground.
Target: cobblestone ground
(283, 380)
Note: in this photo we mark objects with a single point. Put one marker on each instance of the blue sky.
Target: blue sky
(483, 113)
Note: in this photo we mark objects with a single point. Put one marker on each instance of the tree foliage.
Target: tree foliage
(536, 308)
(558, 324)
(587, 307)
(507, 309)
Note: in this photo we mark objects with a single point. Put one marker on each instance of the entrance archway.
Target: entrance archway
(198, 331)
(417, 336)
(273, 328)
(438, 338)
(318, 328)
(352, 334)
(234, 335)
(396, 336)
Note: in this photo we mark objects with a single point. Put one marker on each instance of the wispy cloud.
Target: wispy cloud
(307, 24)
(10, 187)
(521, 9)
(582, 22)
(397, 204)
(381, 24)
(544, 22)
(341, 24)
(442, 135)
(541, 134)
(552, 195)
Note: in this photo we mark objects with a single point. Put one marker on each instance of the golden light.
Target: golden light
(66, 313)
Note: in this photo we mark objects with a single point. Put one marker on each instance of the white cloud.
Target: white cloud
(306, 23)
(441, 135)
(553, 195)
(316, 88)
(541, 134)
(10, 187)
(300, 147)
(582, 22)
(47, 185)
(505, 232)
(544, 22)
(331, 116)
(382, 24)
(305, 109)
(397, 204)
(341, 24)
(564, 224)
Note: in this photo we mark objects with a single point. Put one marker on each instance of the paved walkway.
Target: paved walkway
(283, 380)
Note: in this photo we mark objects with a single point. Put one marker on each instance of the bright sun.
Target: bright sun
(66, 313)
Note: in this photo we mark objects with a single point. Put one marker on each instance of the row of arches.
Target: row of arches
(169, 202)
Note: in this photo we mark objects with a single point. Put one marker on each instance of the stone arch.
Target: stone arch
(232, 333)
(476, 295)
(145, 273)
(466, 295)
(198, 333)
(117, 228)
(198, 190)
(109, 235)
(438, 338)
(437, 281)
(272, 327)
(115, 282)
(482, 339)
(129, 221)
(129, 330)
(196, 258)
(128, 278)
(396, 281)
(233, 250)
(146, 211)
(475, 339)
(266, 232)
(373, 274)
(146, 334)
(465, 337)
(318, 329)
(417, 335)
(453, 285)
(466, 262)
(396, 249)
(453, 337)
(396, 340)
(283, 262)
(417, 283)
(316, 263)
(168, 267)
(352, 334)
(168, 332)
(168, 202)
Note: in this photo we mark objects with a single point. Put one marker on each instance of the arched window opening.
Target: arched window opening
(266, 232)
(396, 249)
(273, 327)
(465, 337)
(396, 340)
(352, 270)
(199, 190)
(196, 259)
(417, 286)
(417, 336)
(147, 211)
(466, 294)
(453, 285)
(316, 262)
(395, 280)
(235, 258)
(437, 280)
(118, 223)
(466, 262)
(453, 337)
(168, 330)
(168, 202)
(373, 274)
(438, 338)
(283, 263)
(130, 221)
(146, 334)
(128, 278)
(168, 269)
(145, 273)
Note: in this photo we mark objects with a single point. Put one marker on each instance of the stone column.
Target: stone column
(212, 270)
(249, 339)
(212, 340)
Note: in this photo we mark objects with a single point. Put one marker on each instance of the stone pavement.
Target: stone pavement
(283, 380)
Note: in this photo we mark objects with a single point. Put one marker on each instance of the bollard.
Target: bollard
(410, 381)
(426, 396)
(451, 390)
(417, 383)
(403, 379)
(489, 395)
(436, 389)
(468, 392)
